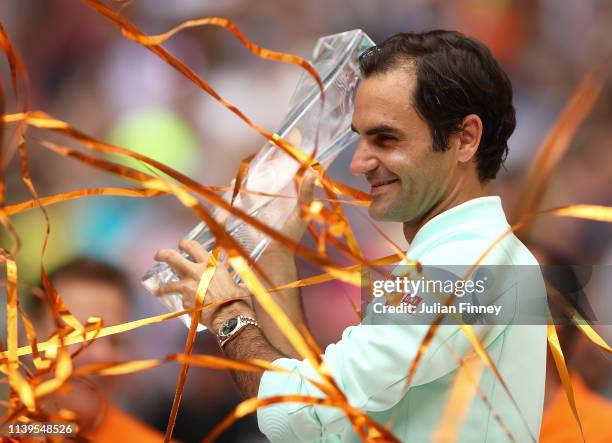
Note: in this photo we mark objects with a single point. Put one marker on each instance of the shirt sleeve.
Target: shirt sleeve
(370, 364)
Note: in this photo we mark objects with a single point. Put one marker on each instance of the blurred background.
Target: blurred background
(82, 71)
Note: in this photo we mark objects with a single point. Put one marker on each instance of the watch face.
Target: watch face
(228, 326)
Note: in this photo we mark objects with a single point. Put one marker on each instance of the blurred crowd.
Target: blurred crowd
(84, 72)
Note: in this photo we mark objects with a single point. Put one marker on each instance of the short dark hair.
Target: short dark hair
(456, 76)
(87, 269)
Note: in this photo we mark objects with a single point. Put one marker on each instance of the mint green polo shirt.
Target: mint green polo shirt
(370, 362)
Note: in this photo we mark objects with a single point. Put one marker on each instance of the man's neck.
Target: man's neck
(457, 196)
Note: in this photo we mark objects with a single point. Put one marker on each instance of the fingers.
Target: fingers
(178, 288)
(294, 227)
(196, 250)
(173, 287)
(307, 187)
(176, 261)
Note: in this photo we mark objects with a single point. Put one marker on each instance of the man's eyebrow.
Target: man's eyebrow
(378, 130)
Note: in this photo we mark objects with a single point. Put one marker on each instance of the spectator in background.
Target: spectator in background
(93, 288)
(558, 423)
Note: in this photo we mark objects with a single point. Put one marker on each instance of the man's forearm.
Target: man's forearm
(249, 343)
(280, 268)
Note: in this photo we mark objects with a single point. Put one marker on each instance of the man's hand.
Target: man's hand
(221, 288)
(250, 343)
(278, 263)
(295, 227)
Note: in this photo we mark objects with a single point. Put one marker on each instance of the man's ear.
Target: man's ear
(468, 137)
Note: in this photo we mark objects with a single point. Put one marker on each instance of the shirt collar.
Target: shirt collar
(485, 211)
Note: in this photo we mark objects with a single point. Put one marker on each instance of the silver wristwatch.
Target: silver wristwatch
(232, 327)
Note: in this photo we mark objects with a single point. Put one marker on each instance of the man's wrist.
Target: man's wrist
(229, 310)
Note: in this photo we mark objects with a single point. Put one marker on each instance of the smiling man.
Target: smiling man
(434, 112)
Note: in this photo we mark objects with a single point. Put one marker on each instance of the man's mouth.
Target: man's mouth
(378, 186)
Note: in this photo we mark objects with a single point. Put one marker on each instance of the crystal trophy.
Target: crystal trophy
(336, 60)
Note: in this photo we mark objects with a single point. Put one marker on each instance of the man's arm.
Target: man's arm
(279, 265)
(370, 362)
(248, 344)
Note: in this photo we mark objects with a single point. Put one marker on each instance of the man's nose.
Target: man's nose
(101, 351)
(363, 160)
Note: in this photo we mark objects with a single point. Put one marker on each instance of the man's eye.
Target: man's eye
(381, 139)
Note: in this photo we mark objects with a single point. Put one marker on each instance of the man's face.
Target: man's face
(86, 298)
(395, 151)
